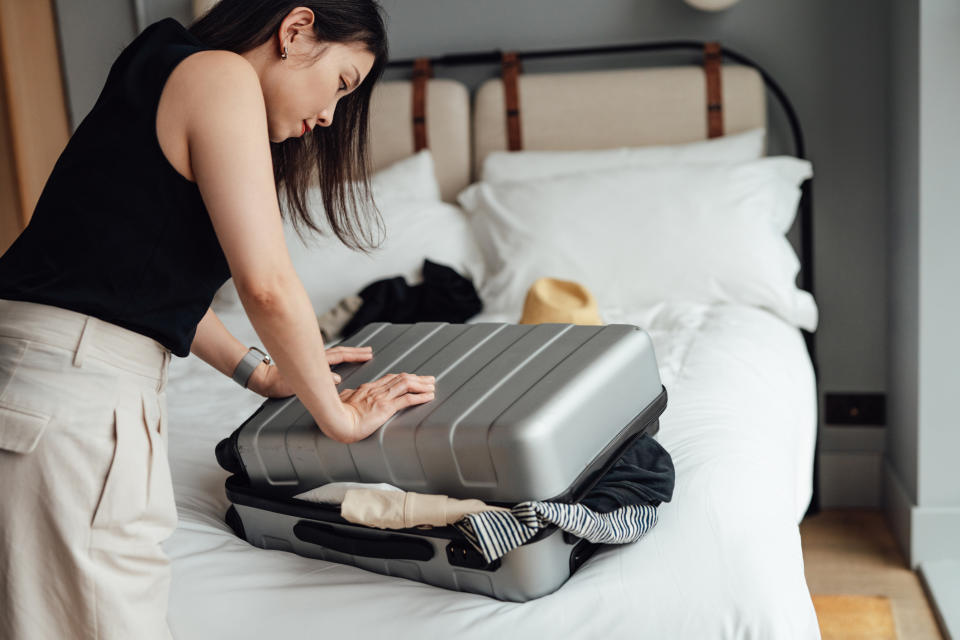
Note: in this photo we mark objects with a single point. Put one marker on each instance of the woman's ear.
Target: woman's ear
(298, 21)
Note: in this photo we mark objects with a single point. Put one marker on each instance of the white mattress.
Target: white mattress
(724, 561)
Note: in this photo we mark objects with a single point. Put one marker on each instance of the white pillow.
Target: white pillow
(512, 166)
(412, 177)
(417, 225)
(634, 237)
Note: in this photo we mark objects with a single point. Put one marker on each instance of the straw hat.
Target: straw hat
(551, 300)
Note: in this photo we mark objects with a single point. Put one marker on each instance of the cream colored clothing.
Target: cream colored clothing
(406, 509)
(335, 492)
(86, 494)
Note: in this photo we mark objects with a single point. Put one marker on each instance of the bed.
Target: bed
(724, 561)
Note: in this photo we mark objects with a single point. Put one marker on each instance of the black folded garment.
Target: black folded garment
(644, 474)
(444, 296)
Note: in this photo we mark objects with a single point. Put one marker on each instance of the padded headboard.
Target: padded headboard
(559, 111)
(448, 129)
(615, 108)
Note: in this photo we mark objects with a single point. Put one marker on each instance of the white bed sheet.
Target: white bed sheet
(724, 561)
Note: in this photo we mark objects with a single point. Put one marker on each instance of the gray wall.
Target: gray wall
(830, 57)
(939, 269)
(904, 303)
(923, 486)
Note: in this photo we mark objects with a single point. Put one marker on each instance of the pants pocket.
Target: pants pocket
(160, 518)
(123, 499)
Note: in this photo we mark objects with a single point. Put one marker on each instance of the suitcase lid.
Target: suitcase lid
(522, 412)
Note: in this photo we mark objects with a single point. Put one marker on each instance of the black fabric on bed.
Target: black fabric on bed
(644, 474)
(444, 296)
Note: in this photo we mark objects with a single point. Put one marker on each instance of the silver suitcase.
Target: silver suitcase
(521, 412)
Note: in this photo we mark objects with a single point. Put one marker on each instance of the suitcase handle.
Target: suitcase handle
(389, 546)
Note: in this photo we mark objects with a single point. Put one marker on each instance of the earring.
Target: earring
(283, 56)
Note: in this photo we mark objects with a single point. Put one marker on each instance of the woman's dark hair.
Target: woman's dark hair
(337, 154)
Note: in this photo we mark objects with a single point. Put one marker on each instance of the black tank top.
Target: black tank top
(117, 232)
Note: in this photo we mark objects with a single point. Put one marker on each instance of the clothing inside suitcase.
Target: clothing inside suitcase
(267, 515)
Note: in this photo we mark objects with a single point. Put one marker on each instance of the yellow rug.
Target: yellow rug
(855, 617)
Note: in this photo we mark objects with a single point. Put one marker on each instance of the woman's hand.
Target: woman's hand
(373, 403)
(267, 381)
(337, 355)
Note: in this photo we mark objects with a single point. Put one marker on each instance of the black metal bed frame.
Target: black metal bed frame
(805, 207)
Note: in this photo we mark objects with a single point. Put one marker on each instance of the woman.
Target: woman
(167, 188)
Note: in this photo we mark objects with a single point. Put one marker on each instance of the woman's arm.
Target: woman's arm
(227, 133)
(214, 344)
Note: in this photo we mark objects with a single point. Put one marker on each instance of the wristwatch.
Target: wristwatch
(245, 368)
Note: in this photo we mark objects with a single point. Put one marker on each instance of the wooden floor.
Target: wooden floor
(852, 552)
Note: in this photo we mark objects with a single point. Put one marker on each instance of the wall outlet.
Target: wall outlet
(856, 409)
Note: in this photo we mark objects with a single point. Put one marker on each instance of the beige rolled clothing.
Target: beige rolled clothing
(87, 497)
(406, 509)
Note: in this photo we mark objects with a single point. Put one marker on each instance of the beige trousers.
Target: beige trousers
(85, 490)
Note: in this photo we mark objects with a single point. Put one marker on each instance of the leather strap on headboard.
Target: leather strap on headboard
(421, 73)
(510, 69)
(712, 59)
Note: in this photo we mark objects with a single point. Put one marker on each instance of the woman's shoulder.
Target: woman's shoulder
(215, 78)
(210, 64)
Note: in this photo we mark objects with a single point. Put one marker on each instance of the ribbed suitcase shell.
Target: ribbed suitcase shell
(521, 412)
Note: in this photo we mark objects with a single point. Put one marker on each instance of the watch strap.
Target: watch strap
(247, 365)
